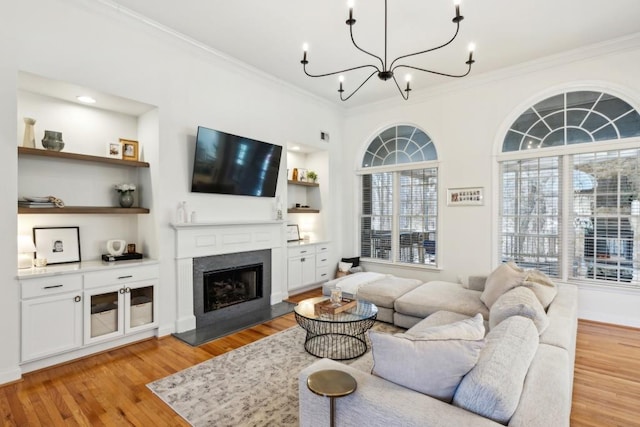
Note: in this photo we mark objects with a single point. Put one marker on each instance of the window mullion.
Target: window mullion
(395, 232)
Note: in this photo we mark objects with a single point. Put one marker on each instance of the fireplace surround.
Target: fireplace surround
(201, 240)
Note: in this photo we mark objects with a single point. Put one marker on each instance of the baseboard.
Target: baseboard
(187, 323)
(10, 375)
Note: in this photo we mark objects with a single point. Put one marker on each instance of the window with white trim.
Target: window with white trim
(573, 214)
(399, 199)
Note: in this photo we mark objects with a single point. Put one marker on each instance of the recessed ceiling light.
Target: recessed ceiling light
(86, 99)
(295, 147)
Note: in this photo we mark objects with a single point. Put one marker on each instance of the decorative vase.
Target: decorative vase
(29, 133)
(52, 140)
(126, 199)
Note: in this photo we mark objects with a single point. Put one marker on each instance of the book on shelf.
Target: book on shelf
(28, 204)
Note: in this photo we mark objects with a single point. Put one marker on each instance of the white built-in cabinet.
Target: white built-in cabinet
(74, 309)
(307, 264)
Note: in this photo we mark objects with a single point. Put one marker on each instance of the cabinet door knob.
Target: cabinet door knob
(127, 289)
(78, 298)
(302, 260)
(122, 291)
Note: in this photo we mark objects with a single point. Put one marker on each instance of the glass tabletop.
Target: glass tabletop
(362, 311)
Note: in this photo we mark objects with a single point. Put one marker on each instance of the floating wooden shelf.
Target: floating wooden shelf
(302, 210)
(304, 184)
(83, 210)
(24, 151)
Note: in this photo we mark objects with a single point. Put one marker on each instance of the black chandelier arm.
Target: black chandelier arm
(435, 72)
(304, 67)
(400, 89)
(357, 89)
(429, 50)
(362, 50)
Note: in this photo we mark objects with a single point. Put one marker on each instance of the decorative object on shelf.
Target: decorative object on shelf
(52, 140)
(40, 202)
(293, 233)
(129, 149)
(302, 175)
(278, 208)
(40, 262)
(114, 150)
(312, 176)
(26, 248)
(59, 245)
(182, 213)
(29, 139)
(116, 247)
(386, 70)
(126, 197)
(470, 196)
(131, 248)
(294, 174)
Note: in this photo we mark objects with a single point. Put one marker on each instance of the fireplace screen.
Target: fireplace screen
(231, 286)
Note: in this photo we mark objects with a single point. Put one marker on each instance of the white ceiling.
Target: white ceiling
(268, 34)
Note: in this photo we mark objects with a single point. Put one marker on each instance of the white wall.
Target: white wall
(92, 45)
(467, 120)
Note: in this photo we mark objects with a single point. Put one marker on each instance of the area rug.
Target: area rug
(254, 385)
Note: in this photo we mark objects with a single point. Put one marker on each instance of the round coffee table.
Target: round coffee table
(337, 336)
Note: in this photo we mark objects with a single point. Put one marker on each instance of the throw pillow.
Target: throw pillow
(519, 301)
(344, 266)
(432, 361)
(493, 387)
(542, 286)
(505, 277)
(354, 260)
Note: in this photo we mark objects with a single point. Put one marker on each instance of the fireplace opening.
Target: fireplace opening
(231, 286)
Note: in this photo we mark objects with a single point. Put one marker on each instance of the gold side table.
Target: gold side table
(331, 383)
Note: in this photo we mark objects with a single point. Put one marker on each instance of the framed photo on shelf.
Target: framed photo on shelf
(114, 150)
(129, 149)
(293, 233)
(469, 196)
(59, 245)
(302, 175)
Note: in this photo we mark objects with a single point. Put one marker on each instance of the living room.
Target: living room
(97, 45)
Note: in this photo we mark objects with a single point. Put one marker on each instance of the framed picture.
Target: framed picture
(114, 150)
(470, 196)
(293, 233)
(129, 149)
(302, 175)
(58, 245)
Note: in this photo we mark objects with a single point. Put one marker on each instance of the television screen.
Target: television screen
(230, 164)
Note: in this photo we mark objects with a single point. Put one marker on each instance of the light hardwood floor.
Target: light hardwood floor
(109, 389)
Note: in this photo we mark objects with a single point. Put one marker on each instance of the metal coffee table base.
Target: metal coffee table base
(337, 341)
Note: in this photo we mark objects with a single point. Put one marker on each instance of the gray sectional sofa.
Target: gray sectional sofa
(523, 375)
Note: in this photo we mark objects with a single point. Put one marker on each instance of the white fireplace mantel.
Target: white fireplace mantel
(195, 240)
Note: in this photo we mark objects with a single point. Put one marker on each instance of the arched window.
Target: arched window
(553, 186)
(399, 199)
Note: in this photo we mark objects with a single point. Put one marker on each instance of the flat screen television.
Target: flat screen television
(231, 164)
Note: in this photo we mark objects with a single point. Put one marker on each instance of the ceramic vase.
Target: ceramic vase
(126, 199)
(52, 140)
(29, 140)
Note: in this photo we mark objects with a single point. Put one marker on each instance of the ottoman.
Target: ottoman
(384, 292)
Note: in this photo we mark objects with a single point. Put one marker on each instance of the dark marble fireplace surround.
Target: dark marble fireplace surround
(234, 313)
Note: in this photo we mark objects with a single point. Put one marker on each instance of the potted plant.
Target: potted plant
(312, 176)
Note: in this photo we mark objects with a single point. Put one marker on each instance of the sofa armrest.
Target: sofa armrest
(476, 283)
(379, 402)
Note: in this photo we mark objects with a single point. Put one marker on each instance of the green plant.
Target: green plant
(311, 175)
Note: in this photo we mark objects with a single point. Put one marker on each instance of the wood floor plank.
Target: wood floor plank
(110, 388)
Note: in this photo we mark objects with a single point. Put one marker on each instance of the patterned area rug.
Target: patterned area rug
(254, 385)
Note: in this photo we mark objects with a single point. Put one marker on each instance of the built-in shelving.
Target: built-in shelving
(83, 210)
(303, 210)
(25, 151)
(303, 183)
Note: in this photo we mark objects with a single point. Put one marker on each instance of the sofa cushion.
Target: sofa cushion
(434, 296)
(541, 285)
(385, 291)
(431, 362)
(438, 318)
(493, 387)
(519, 301)
(505, 277)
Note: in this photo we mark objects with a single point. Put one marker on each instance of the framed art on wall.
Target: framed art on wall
(114, 150)
(469, 196)
(58, 245)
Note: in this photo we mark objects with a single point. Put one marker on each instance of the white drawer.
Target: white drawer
(120, 275)
(302, 250)
(50, 285)
(322, 248)
(322, 259)
(323, 274)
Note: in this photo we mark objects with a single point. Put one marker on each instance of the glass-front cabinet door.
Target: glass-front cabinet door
(140, 306)
(103, 318)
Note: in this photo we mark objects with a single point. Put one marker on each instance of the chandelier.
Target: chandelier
(386, 70)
